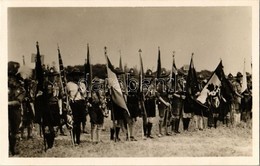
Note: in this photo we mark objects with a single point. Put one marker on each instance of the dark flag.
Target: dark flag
(38, 69)
(226, 88)
(88, 71)
(217, 80)
(192, 85)
(159, 67)
(174, 74)
(192, 88)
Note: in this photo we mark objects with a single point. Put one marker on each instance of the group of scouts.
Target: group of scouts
(47, 107)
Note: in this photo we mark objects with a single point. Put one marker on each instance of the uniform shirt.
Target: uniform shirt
(54, 91)
(237, 88)
(76, 91)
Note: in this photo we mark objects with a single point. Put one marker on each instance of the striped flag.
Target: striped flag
(116, 92)
(62, 71)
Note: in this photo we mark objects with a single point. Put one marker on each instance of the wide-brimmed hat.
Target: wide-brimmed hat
(75, 71)
(230, 76)
(132, 72)
(239, 75)
(149, 73)
(13, 68)
(52, 72)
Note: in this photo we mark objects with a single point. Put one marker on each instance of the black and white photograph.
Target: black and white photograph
(141, 83)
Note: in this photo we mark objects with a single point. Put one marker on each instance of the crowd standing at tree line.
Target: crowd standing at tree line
(57, 100)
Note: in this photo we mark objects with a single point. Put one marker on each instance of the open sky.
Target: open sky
(212, 33)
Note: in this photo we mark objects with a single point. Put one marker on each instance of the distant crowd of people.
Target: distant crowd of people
(56, 106)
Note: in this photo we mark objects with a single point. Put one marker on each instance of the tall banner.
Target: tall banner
(116, 92)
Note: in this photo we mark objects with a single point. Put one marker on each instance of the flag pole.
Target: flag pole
(126, 92)
(23, 61)
(144, 118)
(110, 93)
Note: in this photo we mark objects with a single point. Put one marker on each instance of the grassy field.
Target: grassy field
(222, 141)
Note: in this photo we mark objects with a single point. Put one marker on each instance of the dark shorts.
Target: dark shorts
(150, 107)
(14, 119)
(78, 110)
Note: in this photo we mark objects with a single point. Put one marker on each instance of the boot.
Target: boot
(49, 139)
(112, 132)
(12, 143)
(215, 122)
(77, 134)
(173, 125)
(160, 128)
(149, 130)
(84, 128)
(29, 130)
(117, 133)
(176, 125)
(186, 122)
(92, 133)
(98, 134)
(145, 129)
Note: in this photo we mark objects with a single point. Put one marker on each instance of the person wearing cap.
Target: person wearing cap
(246, 102)
(97, 107)
(54, 96)
(16, 94)
(163, 102)
(117, 116)
(177, 100)
(149, 91)
(132, 102)
(28, 109)
(199, 113)
(236, 104)
(77, 94)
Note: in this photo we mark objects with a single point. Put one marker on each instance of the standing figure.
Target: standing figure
(236, 104)
(117, 113)
(132, 101)
(97, 107)
(28, 109)
(213, 102)
(77, 94)
(163, 103)
(177, 101)
(54, 97)
(149, 90)
(16, 94)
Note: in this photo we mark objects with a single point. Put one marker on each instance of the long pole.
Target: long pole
(112, 106)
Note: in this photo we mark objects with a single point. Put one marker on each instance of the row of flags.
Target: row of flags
(193, 91)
